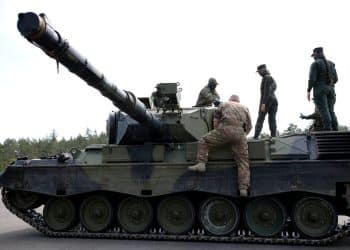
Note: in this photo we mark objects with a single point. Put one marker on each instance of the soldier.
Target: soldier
(232, 123)
(268, 102)
(156, 98)
(317, 123)
(208, 94)
(322, 78)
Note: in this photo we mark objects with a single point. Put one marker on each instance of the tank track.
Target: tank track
(36, 220)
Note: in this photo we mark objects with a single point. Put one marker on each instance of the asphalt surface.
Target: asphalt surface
(15, 234)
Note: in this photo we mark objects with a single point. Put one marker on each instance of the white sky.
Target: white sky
(138, 43)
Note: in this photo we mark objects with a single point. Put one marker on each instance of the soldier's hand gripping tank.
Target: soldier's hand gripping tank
(322, 78)
(232, 123)
(208, 94)
(268, 102)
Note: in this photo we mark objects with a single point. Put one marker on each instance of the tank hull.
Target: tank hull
(156, 179)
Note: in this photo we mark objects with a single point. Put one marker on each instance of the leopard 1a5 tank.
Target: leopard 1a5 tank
(138, 187)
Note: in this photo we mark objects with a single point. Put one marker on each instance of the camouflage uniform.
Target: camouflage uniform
(267, 91)
(234, 123)
(323, 91)
(206, 97)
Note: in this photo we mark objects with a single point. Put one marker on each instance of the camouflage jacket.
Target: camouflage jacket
(267, 90)
(233, 114)
(206, 97)
(319, 74)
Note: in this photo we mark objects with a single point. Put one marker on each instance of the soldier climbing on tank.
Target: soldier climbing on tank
(208, 95)
(317, 121)
(322, 78)
(268, 102)
(232, 123)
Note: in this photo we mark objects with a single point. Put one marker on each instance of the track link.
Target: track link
(36, 220)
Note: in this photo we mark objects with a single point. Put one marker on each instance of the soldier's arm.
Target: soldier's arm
(335, 74)
(312, 76)
(200, 98)
(267, 91)
(312, 116)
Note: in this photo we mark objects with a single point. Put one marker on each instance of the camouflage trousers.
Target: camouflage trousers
(236, 138)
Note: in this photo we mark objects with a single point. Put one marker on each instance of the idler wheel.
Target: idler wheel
(25, 200)
(175, 214)
(135, 215)
(315, 217)
(265, 216)
(60, 214)
(219, 216)
(96, 213)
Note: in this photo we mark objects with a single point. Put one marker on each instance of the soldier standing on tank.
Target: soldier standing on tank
(268, 102)
(317, 124)
(208, 94)
(232, 123)
(322, 78)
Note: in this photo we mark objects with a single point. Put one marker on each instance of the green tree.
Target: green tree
(292, 129)
(48, 146)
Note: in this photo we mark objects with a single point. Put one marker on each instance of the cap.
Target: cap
(261, 67)
(318, 50)
(212, 81)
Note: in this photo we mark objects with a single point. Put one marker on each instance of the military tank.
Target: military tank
(137, 186)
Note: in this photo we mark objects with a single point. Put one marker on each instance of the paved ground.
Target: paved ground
(15, 234)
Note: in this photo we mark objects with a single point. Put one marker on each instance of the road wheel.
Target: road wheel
(135, 215)
(265, 216)
(25, 200)
(315, 217)
(96, 213)
(60, 214)
(175, 214)
(219, 216)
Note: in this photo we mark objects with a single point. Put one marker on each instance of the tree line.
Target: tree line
(11, 149)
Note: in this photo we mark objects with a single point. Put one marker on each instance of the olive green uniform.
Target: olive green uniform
(267, 97)
(234, 123)
(206, 97)
(323, 91)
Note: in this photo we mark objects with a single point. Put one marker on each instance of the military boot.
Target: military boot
(243, 192)
(199, 167)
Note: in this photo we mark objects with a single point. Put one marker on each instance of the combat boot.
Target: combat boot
(199, 167)
(243, 192)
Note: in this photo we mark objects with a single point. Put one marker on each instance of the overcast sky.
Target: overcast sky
(138, 43)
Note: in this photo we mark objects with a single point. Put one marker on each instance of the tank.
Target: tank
(137, 186)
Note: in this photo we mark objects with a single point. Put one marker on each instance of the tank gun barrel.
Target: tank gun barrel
(37, 30)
